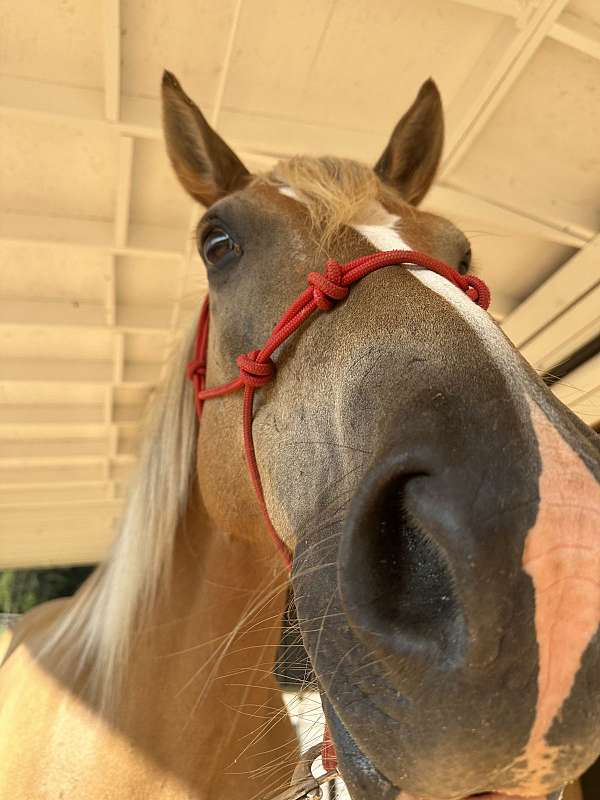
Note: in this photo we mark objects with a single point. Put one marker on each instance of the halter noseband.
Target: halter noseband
(257, 368)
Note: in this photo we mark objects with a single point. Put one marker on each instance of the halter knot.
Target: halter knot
(328, 288)
(196, 368)
(477, 291)
(255, 373)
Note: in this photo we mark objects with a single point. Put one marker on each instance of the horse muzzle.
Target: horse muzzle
(477, 604)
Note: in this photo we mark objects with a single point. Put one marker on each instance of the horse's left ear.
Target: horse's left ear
(411, 159)
(206, 166)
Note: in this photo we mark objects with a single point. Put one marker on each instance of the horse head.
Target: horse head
(442, 506)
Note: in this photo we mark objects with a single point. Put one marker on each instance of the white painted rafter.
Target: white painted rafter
(561, 292)
(506, 8)
(581, 34)
(140, 117)
(500, 65)
(447, 199)
(118, 358)
(563, 336)
(53, 494)
(49, 431)
(60, 314)
(143, 240)
(111, 20)
(581, 390)
(28, 98)
(37, 414)
(110, 292)
(123, 192)
(74, 372)
(109, 391)
(557, 319)
(55, 462)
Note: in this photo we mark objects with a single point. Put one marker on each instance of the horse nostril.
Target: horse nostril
(395, 583)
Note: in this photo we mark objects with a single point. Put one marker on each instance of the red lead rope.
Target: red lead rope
(257, 368)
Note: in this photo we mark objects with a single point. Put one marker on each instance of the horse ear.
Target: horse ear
(207, 168)
(410, 160)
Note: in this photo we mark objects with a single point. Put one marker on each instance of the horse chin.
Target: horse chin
(365, 781)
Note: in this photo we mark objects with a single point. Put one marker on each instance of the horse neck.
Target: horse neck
(225, 596)
(205, 665)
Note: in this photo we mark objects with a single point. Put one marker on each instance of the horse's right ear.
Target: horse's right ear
(207, 168)
(411, 159)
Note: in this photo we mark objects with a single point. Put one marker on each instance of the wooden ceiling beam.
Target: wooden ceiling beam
(78, 372)
(25, 97)
(131, 319)
(580, 390)
(562, 291)
(52, 494)
(575, 327)
(141, 117)
(48, 431)
(123, 190)
(506, 8)
(60, 512)
(59, 414)
(54, 540)
(48, 472)
(500, 65)
(111, 22)
(147, 241)
(581, 34)
(444, 198)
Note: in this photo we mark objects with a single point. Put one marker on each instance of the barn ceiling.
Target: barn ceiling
(98, 275)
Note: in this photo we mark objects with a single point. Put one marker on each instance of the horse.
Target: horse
(438, 504)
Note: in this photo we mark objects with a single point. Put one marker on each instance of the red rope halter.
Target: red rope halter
(257, 368)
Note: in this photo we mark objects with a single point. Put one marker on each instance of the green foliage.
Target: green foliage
(20, 590)
(6, 591)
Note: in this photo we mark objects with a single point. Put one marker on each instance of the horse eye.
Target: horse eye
(217, 245)
(465, 262)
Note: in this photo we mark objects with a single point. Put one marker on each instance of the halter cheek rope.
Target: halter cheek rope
(257, 368)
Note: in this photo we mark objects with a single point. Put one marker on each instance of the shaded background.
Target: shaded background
(21, 590)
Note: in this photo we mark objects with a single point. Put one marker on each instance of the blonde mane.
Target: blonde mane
(97, 631)
(95, 635)
(336, 191)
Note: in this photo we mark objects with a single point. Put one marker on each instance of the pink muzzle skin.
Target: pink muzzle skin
(562, 558)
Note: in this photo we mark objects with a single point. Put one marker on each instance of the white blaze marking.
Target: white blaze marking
(383, 237)
(386, 237)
